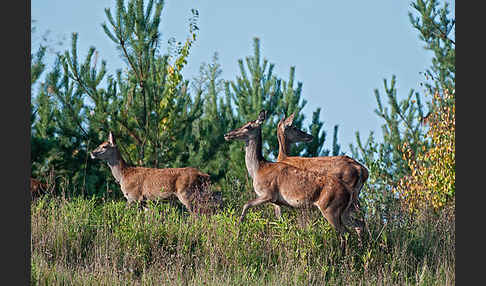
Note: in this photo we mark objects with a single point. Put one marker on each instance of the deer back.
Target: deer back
(153, 183)
(296, 187)
(347, 170)
(344, 167)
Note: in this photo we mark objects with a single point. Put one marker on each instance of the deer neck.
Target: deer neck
(253, 155)
(283, 147)
(117, 165)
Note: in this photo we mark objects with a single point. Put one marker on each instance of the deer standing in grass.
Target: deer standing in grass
(140, 184)
(345, 168)
(284, 185)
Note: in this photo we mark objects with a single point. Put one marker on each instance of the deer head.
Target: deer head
(248, 131)
(106, 150)
(292, 133)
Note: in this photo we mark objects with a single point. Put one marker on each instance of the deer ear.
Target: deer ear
(261, 116)
(290, 119)
(111, 140)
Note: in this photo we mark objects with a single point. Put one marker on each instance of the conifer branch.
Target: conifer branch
(442, 33)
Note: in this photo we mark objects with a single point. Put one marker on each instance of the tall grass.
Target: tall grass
(83, 241)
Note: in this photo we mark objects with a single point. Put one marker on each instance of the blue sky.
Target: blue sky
(342, 50)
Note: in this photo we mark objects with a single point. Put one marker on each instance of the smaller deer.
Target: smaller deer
(345, 168)
(284, 185)
(141, 184)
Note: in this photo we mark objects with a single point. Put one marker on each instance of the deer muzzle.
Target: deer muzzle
(227, 137)
(308, 138)
(93, 156)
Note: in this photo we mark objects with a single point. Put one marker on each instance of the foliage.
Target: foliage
(209, 150)
(435, 26)
(150, 102)
(431, 183)
(157, 117)
(316, 146)
(257, 88)
(38, 65)
(147, 106)
(88, 241)
(384, 160)
(404, 128)
(57, 136)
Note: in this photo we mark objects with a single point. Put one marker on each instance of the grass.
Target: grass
(81, 241)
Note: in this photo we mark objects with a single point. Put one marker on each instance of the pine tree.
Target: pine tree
(404, 127)
(436, 25)
(150, 101)
(147, 106)
(209, 150)
(157, 118)
(257, 88)
(315, 148)
(57, 138)
(384, 160)
(38, 105)
(38, 66)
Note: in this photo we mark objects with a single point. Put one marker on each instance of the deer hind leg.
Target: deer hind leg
(357, 190)
(253, 203)
(185, 198)
(333, 216)
(353, 211)
(358, 225)
(353, 222)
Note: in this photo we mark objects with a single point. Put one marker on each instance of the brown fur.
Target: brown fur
(344, 168)
(140, 183)
(282, 184)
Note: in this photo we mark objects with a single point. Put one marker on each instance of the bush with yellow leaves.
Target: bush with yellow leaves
(431, 183)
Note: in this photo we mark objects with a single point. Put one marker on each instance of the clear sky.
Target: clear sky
(342, 50)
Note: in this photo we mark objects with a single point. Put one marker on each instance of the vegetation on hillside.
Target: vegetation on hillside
(86, 241)
(84, 233)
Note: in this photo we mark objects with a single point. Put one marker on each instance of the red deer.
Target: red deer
(345, 168)
(141, 184)
(284, 185)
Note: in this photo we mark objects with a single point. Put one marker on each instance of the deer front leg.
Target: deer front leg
(278, 212)
(131, 199)
(140, 204)
(254, 203)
